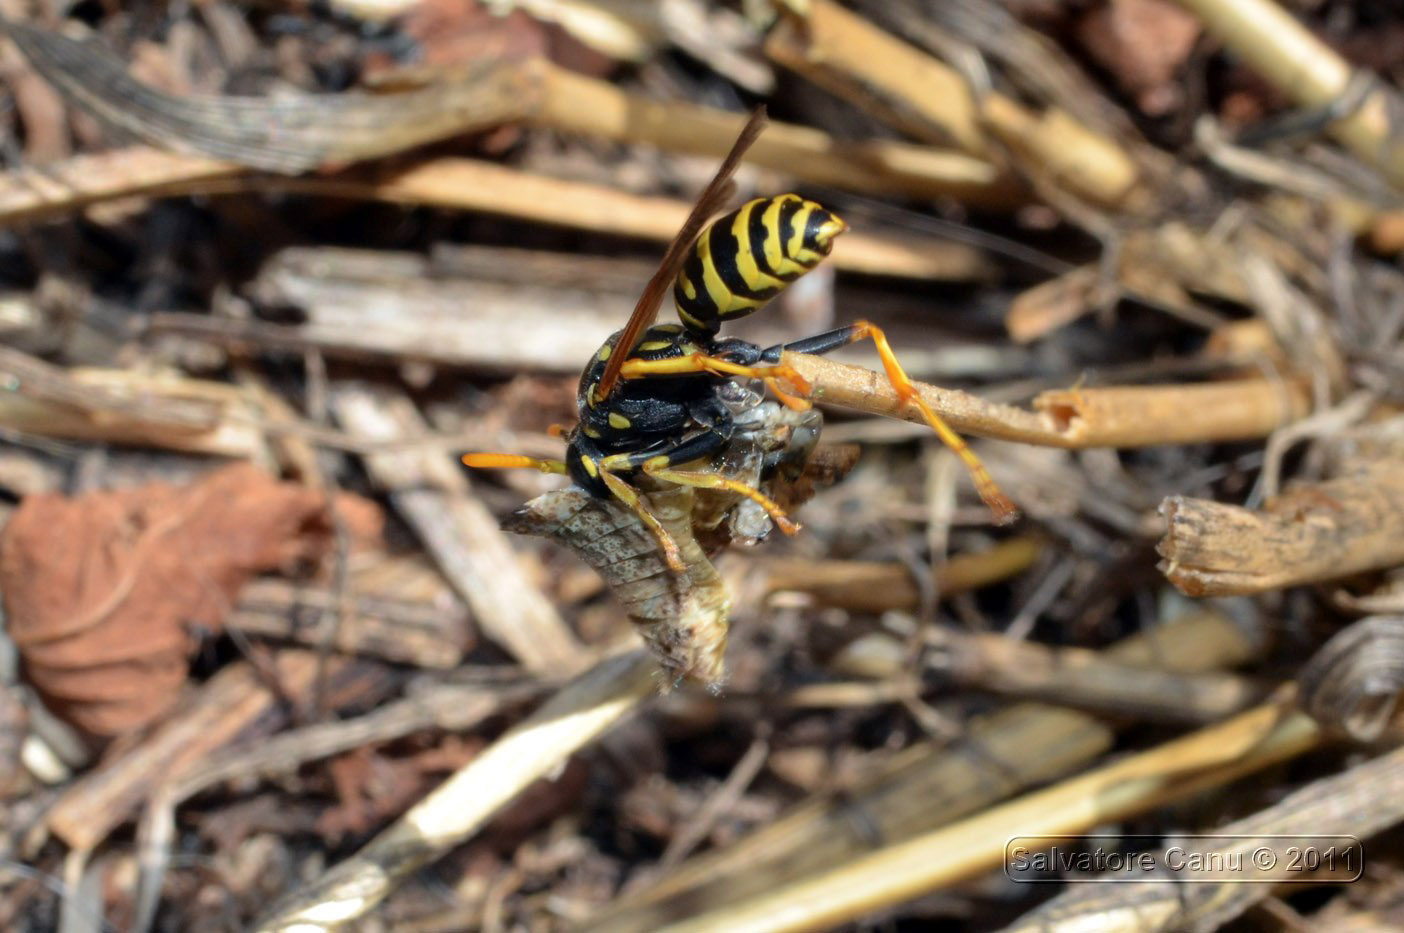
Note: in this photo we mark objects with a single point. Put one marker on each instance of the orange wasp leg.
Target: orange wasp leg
(702, 363)
(1001, 505)
(620, 489)
(629, 496)
(703, 480)
(792, 402)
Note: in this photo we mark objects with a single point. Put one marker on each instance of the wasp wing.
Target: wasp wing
(713, 198)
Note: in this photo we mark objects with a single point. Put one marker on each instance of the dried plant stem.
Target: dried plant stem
(443, 706)
(865, 390)
(1310, 73)
(429, 490)
(448, 182)
(1208, 758)
(460, 807)
(222, 710)
(130, 407)
(579, 104)
(867, 586)
(1312, 532)
(427, 633)
(844, 53)
(1140, 416)
(848, 55)
(1095, 417)
(297, 134)
(1011, 749)
(1131, 416)
(928, 785)
(471, 184)
(110, 392)
(1086, 679)
(1360, 801)
(27, 193)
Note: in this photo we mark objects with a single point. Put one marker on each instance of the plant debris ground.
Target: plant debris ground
(271, 658)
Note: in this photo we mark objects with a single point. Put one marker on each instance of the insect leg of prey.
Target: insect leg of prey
(1001, 505)
(702, 363)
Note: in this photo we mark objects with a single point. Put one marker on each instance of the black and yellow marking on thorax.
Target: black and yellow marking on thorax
(662, 341)
(638, 411)
(747, 256)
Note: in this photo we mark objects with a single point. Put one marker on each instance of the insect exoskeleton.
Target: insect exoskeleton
(746, 257)
(683, 616)
(668, 437)
(769, 449)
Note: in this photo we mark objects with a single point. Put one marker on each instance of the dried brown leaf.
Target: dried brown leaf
(1142, 43)
(102, 592)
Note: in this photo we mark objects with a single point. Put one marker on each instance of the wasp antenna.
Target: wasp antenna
(512, 461)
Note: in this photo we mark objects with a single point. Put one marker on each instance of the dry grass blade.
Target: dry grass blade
(27, 193)
(578, 104)
(529, 751)
(128, 407)
(874, 587)
(1357, 802)
(1310, 72)
(45, 383)
(295, 136)
(929, 785)
(1084, 679)
(447, 182)
(848, 55)
(285, 135)
(1208, 758)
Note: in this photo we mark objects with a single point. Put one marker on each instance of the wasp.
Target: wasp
(652, 402)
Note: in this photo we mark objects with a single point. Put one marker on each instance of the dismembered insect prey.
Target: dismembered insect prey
(683, 615)
(661, 416)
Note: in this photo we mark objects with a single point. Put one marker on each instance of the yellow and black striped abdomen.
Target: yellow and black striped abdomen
(746, 257)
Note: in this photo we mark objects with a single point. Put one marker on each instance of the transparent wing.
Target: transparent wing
(717, 193)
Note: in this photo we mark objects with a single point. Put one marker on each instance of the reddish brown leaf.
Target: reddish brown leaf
(1142, 43)
(101, 590)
